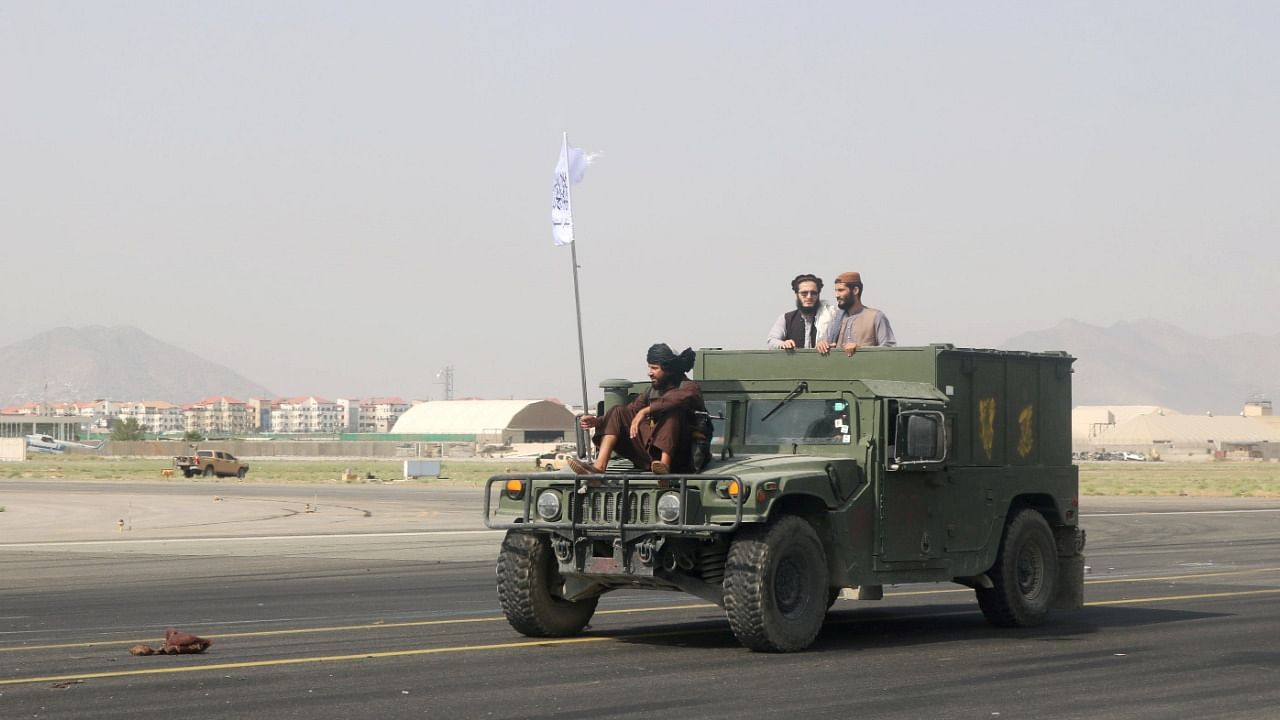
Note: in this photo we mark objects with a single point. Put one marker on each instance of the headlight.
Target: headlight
(669, 507)
(549, 505)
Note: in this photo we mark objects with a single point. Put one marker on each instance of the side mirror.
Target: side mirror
(922, 438)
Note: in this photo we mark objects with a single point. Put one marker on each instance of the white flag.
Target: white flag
(570, 168)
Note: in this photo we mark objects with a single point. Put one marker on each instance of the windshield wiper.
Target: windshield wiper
(801, 387)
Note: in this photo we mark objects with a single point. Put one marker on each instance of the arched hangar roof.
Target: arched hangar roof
(462, 417)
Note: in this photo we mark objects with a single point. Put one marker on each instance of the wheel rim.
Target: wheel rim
(1031, 570)
(789, 592)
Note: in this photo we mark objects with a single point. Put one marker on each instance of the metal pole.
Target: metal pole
(573, 254)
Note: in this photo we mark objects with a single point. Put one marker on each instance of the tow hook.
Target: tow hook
(563, 549)
(646, 551)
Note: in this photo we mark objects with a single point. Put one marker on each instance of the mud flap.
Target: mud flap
(1070, 592)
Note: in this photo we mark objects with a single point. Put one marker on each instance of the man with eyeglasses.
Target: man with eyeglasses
(807, 325)
(855, 325)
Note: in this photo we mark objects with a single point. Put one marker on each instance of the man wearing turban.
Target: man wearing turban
(653, 431)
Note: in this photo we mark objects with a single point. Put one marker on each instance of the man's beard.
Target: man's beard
(847, 303)
(807, 310)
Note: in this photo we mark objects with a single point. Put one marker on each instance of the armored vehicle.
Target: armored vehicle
(896, 465)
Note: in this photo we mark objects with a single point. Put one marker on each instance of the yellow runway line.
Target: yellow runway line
(546, 642)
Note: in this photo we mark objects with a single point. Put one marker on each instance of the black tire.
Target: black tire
(775, 586)
(1025, 575)
(208, 471)
(526, 574)
(242, 472)
(187, 473)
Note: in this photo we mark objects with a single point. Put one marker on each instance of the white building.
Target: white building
(222, 415)
(154, 416)
(379, 415)
(306, 415)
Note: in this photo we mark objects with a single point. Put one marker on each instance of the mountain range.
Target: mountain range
(119, 363)
(1149, 362)
(1144, 362)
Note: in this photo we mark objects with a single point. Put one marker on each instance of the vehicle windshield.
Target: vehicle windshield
(808, 421)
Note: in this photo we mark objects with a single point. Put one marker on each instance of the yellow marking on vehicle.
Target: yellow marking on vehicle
(1026, 431)
(987, 424)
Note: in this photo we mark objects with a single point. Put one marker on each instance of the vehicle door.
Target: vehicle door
(911, 487)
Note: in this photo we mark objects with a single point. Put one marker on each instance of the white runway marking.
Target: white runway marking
(254, 538)
(1179, 512)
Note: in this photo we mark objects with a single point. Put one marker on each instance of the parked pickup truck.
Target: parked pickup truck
(209, 463)
(553, 461)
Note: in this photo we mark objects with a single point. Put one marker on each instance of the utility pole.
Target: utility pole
(445, 377)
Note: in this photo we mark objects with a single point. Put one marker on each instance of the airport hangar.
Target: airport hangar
(505, 422)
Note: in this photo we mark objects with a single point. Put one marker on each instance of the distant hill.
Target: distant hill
(1148, 362)
(120, 363)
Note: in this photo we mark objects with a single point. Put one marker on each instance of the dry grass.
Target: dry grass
(1213, 479)
(68, 467)
(1217, 479)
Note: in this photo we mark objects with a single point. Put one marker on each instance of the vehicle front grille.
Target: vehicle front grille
(605, 507)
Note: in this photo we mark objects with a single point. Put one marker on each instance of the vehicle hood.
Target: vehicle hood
(774, 465)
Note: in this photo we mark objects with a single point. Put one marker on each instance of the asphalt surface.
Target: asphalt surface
(380, 603)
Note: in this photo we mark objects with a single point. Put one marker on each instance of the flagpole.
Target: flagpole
(573, 255)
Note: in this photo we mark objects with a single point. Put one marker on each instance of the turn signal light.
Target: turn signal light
(735, 488)
(515, 489)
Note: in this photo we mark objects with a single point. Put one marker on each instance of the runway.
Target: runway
(403, 621)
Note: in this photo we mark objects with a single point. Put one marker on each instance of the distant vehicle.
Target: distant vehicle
(553, 461)
(211, 463)
(1136, 456)
(492, 449)
(50, 444)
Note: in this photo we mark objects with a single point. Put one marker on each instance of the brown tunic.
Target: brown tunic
(859, 329)
(667, 429)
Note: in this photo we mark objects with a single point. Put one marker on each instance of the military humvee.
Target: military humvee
(898, 465)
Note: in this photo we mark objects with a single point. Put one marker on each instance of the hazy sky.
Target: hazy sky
(343, 198)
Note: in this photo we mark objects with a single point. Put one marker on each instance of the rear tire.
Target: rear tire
(528, 579)
(775, 586)
(208, 471)
(1025, 576)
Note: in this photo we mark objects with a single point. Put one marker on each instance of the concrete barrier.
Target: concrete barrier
(13, 449)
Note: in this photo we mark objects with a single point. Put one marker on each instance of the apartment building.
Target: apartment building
(306, 415)
(224, 415)
(154, 416)
(379, 415)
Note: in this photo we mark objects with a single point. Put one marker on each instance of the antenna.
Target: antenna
(445, 378)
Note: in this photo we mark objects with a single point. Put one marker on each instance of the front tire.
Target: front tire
(775, 586)
(241, 473)
(528, 579)
(1025, 575)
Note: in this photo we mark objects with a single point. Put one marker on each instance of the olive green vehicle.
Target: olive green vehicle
(898, 465)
